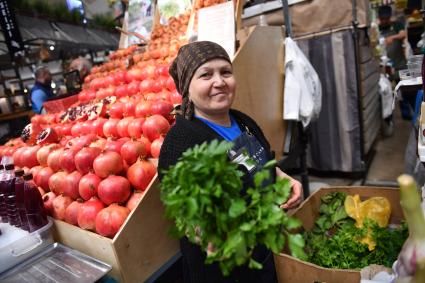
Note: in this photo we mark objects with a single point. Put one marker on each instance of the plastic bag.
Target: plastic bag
(303, 89)
(377, 209)
(386, 93)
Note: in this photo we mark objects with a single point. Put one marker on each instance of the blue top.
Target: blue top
(39, 94)
(228, 133)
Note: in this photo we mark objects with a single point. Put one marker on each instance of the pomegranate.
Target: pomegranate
(57, 182)
(122, 127)
(43, 153)
(84, 159)
(163, 108)
(71, 212)
(121, 90)
(71, 185)
(17, 156)
(108, 163)
(134, 199)
(133, 88)
(88, 212)
(97, 127)
(29, 156)
(110, 128)
(42, 177)
(155, 126)
(170, 84)
(143, 109)
(116, 110)
(129, 108)
(88, 185)
(135, 128)
(60, 203)
(100, 143)
(66, 129)
(114, 145)
(77, 129)
(35, 170)
(46, 136)
(48, 199)
(53, 159)
(114, 189)
(109, 220)
(66, 160)
(131, 151)
(156, 147)
(30, 132)
(140, 174)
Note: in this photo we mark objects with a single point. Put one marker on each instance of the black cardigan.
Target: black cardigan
(186, 134)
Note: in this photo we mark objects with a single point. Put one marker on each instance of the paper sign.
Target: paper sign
(140, 19)
(217, 24)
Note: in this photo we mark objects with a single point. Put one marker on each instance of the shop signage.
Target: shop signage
(10, 30)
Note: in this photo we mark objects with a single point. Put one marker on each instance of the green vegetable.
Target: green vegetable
(333, 242)
(202, 193)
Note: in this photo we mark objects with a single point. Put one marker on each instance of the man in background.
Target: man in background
(42, 89)
(82, 65)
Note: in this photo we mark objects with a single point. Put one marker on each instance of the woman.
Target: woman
(202, 72)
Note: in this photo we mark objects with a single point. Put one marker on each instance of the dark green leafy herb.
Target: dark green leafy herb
(333, 242)
(202, 193)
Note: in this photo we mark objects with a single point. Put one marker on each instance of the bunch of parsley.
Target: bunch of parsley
(202, 194)
(334, 241)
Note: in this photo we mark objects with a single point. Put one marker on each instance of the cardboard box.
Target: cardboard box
(290, 269)
(140, 247)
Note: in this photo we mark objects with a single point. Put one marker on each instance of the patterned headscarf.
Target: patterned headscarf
(188, 60)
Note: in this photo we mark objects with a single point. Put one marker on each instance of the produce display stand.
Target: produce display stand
(141, 246)
(290, 269)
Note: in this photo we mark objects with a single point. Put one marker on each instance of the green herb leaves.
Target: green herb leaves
(333, 242)
(202, 193)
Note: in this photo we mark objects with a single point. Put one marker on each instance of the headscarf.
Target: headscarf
(189, 58)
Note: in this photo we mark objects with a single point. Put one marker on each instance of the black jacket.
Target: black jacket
(186, 134)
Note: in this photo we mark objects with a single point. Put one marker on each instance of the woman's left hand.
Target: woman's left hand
(295, 197)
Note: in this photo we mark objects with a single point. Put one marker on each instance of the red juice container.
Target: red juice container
(34, 206)
(3, 213)
(10, 197)
(19, 192)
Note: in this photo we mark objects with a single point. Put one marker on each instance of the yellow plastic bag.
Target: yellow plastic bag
(377, 209)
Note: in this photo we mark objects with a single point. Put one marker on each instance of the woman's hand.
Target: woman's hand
(295, 197)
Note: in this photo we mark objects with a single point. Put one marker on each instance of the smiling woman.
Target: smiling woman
(203, 75)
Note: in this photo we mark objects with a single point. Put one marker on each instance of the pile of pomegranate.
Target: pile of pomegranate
(93, 162)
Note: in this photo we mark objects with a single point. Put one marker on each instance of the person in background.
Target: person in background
(394, 34)
(82, 65)
(42, 89)
(203, 74)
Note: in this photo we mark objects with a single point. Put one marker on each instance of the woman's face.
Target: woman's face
(212, 88)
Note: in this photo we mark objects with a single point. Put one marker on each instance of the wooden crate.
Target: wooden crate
(290, 269)
(141, 246)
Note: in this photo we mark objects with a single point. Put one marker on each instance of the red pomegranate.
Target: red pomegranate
(48, 199)
(135, 128)
(109, 220)
(156, 147)
(122, 127)
(114, 145)
(116, 110)
(29, 156)
(57, 182)
(54, 158)
(71, 185)
(97, 126)
(46, 136)
(140, 174)
(66, 160)
(60, 203)
(108, 163)
(84, 159)
(42, 177)
(134, 199)
(88, 212)
(114, 189)
(155, 126)
(44, 152)
(88, 185)
(71, 212)
(110, 128)
(133, 150)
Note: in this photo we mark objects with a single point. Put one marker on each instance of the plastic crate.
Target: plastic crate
(23, 248)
